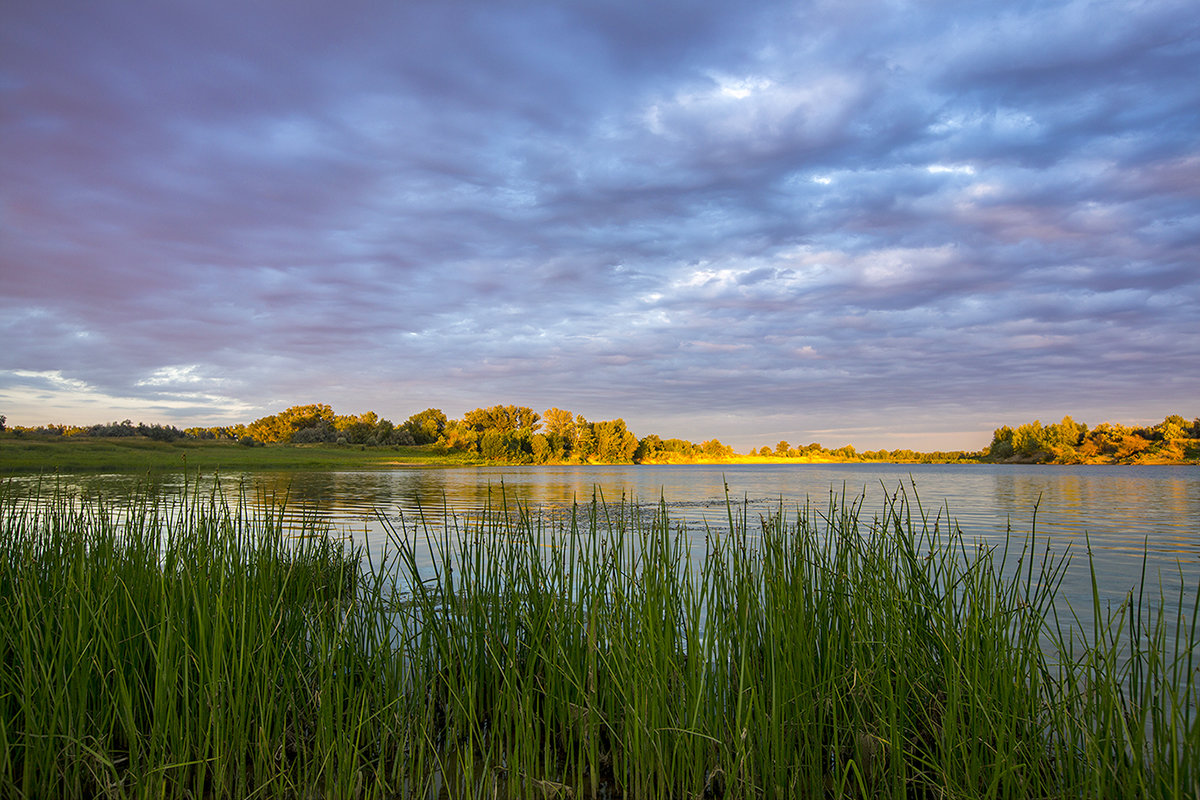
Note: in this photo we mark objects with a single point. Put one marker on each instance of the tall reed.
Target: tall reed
(198, 648)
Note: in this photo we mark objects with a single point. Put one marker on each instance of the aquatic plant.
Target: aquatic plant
(192, 647)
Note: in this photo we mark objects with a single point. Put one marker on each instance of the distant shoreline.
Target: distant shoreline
(32, 455)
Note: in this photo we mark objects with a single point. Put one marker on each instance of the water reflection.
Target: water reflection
(1119, 511)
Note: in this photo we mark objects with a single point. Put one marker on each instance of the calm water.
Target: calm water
(1121, 510)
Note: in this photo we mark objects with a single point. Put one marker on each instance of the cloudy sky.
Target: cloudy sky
(893, 224)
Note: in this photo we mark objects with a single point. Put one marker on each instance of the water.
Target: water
(1123, 512)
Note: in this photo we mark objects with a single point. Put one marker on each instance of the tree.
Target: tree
(614, 443)
(1061, 440)
(678, 449)
(542, 451)
(559, 427)
(558, 422)
(492, 445)
(501, 418)
(160, 433)
(426, 427)
(1030, 438)
(362, 429)
(1002, 442)
(713, 448)
(3, 419)
(1173, 427)
(648, 448)
(282, 426)
(585, 440)
(317, 434)
(459, 436)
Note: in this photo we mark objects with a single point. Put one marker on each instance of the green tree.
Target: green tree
(356, 429)
(1173, 427)
(317, 434)
(648, 448)
(614, 444)
(1029, 439)
(542, 452)
(679, 449)
(1061, 440)
(1002, 442)
(460, 436)
(282, 426)
(426, 427)
(492, 445)
(501, 418)
(713, 448)
(559, 427)
(584, 440)
(558, 422)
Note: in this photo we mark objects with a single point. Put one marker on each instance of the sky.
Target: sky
(890, 224)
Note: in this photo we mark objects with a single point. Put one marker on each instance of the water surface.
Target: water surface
(1123, 512)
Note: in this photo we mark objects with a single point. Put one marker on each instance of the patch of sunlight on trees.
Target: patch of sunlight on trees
(518, 435)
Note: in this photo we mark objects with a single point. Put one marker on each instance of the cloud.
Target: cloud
(759, 217)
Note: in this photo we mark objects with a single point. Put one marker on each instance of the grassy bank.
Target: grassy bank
(134, 454)
(27, 454)
(198, 649)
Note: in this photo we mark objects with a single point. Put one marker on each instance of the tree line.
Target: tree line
(159, 433)
(813, 451)
(1071, 442)
(503, 433)
(519, 435)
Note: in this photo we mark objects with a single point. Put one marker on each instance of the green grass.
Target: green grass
(201, 649)
(47, 455)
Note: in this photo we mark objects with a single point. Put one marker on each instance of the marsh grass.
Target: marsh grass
(196, 648)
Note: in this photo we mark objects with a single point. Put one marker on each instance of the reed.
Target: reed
(193, 647)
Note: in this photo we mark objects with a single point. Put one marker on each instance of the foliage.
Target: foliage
(365, 429)
(1070, 442)
(283, 426)
(503, 419)
(426, 427)
(512, 434)
(612, 443)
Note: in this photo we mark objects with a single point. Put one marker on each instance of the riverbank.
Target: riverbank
(28, 454)
(135, 454)
(593, 657)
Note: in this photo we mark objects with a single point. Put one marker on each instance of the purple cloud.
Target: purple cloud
(756, 221)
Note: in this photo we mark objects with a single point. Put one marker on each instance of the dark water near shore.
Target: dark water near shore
(1122, 511)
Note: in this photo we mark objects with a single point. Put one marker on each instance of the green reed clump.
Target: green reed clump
(812, 656)
(178, 649)
(190, 648)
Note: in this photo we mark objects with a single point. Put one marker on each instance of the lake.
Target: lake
(1121, 510)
